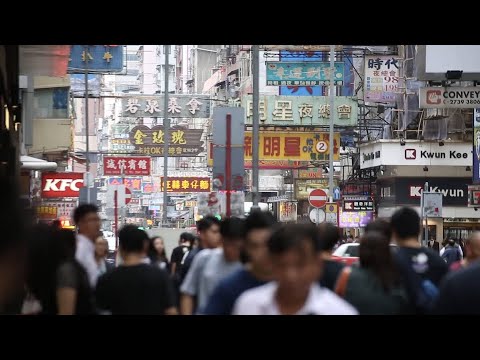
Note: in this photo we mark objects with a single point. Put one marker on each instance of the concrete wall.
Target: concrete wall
(170, 237)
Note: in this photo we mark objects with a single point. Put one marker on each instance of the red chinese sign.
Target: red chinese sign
(131, 183)
(187, 184)
(113, 165)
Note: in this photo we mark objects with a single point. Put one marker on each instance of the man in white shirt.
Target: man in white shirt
(294, 252)
(88, 224)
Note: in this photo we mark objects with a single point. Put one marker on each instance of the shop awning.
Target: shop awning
(31, 163)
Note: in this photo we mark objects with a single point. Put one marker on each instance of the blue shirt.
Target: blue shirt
(227, 291)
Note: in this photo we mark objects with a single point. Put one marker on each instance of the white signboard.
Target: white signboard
(432, 204)
(382, 74)
(449, 97)
(417, 153)
(317, 216)
(442, 58)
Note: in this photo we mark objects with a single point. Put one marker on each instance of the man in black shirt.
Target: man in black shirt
(186, 241)
(329, 236)
(135, 288)
(419, 266)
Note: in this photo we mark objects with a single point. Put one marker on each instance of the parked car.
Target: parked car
(349, 253)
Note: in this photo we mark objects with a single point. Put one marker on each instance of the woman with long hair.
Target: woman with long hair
(54, 277)
(374, 287)
(157, 253)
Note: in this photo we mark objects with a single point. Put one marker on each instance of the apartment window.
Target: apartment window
(132, 57)
(51, 103)
(132, 72)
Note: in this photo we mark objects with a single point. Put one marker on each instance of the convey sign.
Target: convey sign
(451, 97)
(60, 185)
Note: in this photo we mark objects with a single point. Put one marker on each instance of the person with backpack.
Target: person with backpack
(420, 268)
(451, 253)
(374, 287)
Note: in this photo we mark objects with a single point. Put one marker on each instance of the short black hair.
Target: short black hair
(405, 223)
(132, 239)
(329, 236)
(83, 210)
(207, 222)
(232, 228)
(380, 225)
(293, 236)
(258, 219)
(186, 236)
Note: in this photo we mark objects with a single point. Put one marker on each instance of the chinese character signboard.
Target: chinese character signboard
(131, 183)
(302, 73)
(148, 188)
(351, 219)
(96, 58)
(287, 211)
(183, 142)
(476, 146)
(382, 74)
(179, 106)
(302, 110)
(187, 184)
(46, 212)
(126, 165)
(304, 187)
(358, 203)
(313, 173)
(64, 209)
(292, 146)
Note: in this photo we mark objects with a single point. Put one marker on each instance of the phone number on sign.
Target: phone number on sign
(458, 102)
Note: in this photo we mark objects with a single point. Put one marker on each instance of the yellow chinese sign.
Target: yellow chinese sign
(186, 184)
(293, 146)
(47, 212)
(181, 141)
(305, 186)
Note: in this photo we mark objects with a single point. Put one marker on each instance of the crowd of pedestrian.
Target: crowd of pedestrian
(251, 266)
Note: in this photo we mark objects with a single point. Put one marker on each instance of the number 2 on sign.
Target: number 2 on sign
(322, 146)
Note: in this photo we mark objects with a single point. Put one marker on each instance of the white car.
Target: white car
(349, 253)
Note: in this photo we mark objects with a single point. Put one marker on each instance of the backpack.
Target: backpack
(451, 255)
(422, 292)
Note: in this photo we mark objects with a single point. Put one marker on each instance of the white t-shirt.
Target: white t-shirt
(320, 301)
(85, 255)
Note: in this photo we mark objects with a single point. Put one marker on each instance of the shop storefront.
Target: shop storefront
(457, 220)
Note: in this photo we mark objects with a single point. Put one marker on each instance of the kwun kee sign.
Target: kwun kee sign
(417, 153)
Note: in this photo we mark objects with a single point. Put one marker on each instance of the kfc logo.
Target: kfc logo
(60, 185)
(410, 154)
(434, 97)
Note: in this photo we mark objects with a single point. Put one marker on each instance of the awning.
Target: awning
(31, 163)
(44, 60)
(218, 76)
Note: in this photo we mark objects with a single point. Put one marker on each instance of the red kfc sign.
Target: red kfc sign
(113, 165)
(61, 185)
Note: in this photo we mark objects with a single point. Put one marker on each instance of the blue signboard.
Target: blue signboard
(304, 57)
(96, 58)
(302, 73)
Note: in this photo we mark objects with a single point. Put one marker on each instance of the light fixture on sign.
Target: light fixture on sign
(402, 141)
(425, 168)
